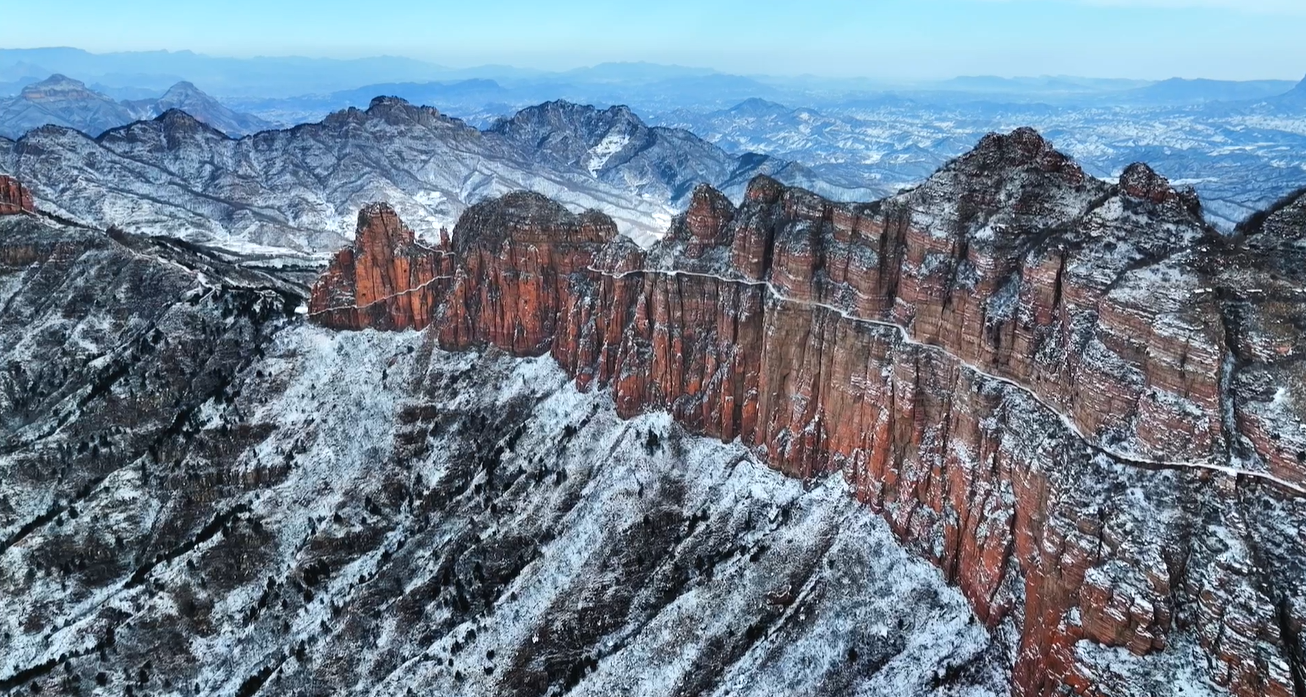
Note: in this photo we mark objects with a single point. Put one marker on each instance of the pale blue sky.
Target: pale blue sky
(907, 39)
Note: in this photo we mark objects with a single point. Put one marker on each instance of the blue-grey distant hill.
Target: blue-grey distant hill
(63, 101)
(1180, 91)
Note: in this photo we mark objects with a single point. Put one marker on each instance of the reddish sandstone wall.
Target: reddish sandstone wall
(14, 197)
(1017, 365)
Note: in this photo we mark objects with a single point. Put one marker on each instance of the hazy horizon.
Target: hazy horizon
(887, 40)
(437, 66)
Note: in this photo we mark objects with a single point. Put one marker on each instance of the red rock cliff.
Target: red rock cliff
(1072, 395)
(14, 197)
(388, 280)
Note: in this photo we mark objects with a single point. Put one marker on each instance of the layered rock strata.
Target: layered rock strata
(1074, 396)
(201, 494)
(14, 197)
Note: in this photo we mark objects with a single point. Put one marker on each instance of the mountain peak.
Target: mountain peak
(527, 215)
(175, 117)
(561, 109)
(387, 102)
(1022, 149)
(1022, 146)
(764, 188)
(58, 80)
(175, 125)
(1140, 181)
(707, 218)
(379, 227)
(184, 88)
(55, 85)
(203, 108)
(186, 95)
(390, 107)
(756, 106)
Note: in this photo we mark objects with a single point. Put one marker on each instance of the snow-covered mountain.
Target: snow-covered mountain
(618, 148)
(1240, 156)
(62, 101)
(300, 188)
(1240, 149)
(208, 487)
(186, 97)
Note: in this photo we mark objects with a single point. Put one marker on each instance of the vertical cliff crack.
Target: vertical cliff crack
(205, 534)
(1292, 646)
(1058, 280)
(1231, 320)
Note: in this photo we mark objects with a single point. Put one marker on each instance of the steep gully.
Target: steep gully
(950, 351)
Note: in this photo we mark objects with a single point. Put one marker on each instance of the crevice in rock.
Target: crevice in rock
(205, 534)
(1292, 646)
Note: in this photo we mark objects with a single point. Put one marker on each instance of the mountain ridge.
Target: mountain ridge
(62, 101)
(199, 491)
(171, 180)
(817, 333)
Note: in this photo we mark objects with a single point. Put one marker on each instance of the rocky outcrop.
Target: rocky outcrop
(1073, 396)
(387, 280)
(14, 197)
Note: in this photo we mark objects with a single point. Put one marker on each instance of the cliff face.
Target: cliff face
(202, 494)
(388, 280)
(14, 197)
(1073, 396)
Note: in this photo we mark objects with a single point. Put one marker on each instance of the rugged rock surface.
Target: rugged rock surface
(14, 197)
(665, 164)
(202, 494)
(1074, 396)
(386, 280)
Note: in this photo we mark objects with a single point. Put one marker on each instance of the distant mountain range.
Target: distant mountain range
(301, 188)
(1241, 156)
(483, 99)
(643, 86)
(1240, 144)
(1180, 91)
(1295, 99)
(158, 70)
(62, 101)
